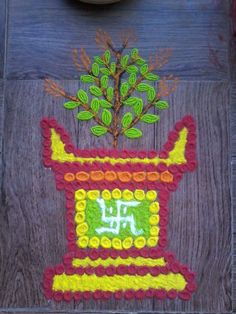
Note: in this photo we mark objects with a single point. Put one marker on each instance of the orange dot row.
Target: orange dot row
(123, 176)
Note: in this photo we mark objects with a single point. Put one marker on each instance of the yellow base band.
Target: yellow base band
(92, 283)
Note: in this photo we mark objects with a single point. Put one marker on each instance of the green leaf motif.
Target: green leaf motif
(70, 105)
(151, 94)
(132, 79)
(105, 71)
(104, 81)
(96, 91)
(127, 119)
(134, 53)
(95, 105)
(162, 104)
(110, 93)
(124, 61)
(107, 56)
(106, 117)
(144, 69)
(98, 60)
(143, 87)
(84, 115)
(133, 133)
(132, 69)
(150, 118)
(87, 78)
(140, 61)
(83, 97)
(98, 130)
(131, 101)
(95, 69)
(113, 67)
(124, 89)
(105, 104)
(151, 77)
(138, 108)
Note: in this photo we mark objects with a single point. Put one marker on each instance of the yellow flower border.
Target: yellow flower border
(94, 242)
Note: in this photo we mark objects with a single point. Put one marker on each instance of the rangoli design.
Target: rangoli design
(117, 200)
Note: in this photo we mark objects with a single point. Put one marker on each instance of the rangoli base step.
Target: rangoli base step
(65, 282)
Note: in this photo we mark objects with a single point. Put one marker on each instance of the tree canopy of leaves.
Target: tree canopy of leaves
(120, 88)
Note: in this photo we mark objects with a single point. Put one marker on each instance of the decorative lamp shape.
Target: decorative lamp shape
(117, 201)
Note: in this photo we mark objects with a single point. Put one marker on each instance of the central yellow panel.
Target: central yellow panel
(118, 218)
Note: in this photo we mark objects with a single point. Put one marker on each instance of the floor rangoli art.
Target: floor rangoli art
(117, 200)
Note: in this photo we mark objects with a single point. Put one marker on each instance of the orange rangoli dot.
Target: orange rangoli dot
(166, 176)
(124, 176)
(82, 176)
(97, 175)
(153, 176)
(139, 176)
(69, 177)
(110, 175)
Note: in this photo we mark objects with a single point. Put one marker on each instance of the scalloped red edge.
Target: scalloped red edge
(154, 253)
(164, 190)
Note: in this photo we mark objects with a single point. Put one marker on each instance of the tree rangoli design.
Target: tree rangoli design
(116, 200)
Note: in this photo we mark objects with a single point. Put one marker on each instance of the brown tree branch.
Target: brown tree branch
(75, 58)
(160, 59)
(127, 37)
(117, 101)
(53, 88)
(167, 86)
(85, 59)
(56, 90)
(132, 89)
(107, 66)
(104, 41)
(137, 118)
(83, 62)
(87, 108)
(86, 64)
(130, 63)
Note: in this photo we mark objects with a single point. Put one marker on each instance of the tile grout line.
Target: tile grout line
(230, 152)
(184, 80)
(2, 104)
(233, 220)
(230, 122)
(6, 40)
(43, 310)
